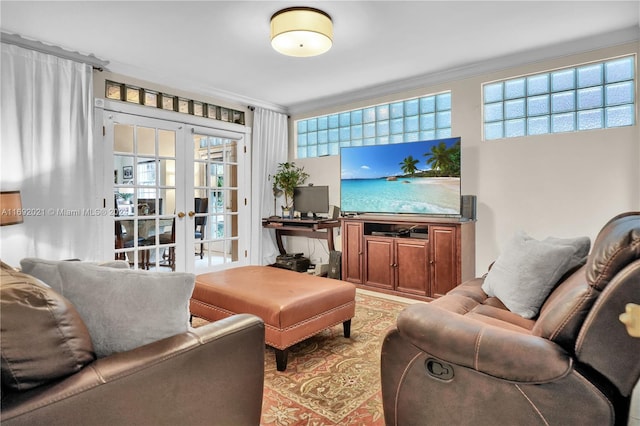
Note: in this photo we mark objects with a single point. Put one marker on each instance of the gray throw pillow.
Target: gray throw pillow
(124, 309)
(47, 270)
(580, 246)
(527, 270)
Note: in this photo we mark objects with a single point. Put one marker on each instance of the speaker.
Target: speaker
(334, 212)
(335, 265)
(468, 207)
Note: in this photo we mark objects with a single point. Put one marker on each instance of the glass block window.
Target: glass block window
(137, 95)
(408, 120)
(591, 96)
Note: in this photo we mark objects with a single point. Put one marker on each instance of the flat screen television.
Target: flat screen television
(312, 200)
(404, 178)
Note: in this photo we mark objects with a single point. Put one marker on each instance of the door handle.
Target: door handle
(181, 215)
(192, 213)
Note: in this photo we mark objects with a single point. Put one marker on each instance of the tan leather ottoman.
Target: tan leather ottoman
(293, 305)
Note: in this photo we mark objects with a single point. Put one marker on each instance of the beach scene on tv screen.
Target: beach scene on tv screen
(414, 177)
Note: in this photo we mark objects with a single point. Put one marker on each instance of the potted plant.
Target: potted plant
(287, 177)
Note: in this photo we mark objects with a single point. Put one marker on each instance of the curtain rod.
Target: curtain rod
(97, 64)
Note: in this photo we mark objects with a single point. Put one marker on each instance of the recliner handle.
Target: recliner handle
(438, 369)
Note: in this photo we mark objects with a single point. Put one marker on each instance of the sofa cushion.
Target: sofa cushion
(123, 308)
(43, 337)
(47, 270)
(469, 300)
(527, 270)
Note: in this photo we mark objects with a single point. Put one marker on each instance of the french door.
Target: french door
(216, 194)
(175, 191)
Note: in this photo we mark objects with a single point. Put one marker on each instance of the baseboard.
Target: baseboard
(388, 296)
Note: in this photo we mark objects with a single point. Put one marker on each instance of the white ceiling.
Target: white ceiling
(222, 48)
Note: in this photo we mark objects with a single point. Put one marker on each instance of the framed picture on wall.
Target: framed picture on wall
(127, 172)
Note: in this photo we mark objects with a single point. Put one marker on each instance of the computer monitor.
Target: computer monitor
(311, 199)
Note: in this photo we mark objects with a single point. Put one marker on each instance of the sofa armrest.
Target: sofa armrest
(213, 374)
(502, 353)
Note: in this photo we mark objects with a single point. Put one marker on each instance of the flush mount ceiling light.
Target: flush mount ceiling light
(301, 31)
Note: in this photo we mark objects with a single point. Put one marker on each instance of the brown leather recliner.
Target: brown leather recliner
(213, 374)
(466, 359)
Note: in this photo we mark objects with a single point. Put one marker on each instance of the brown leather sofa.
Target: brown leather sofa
(213, 374)
(466, 359)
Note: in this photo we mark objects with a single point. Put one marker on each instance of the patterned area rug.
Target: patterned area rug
(331, 380)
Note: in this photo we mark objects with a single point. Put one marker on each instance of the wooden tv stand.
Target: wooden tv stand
(310, 228)
(417, 257)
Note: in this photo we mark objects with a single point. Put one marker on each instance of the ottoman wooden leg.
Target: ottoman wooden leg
(346, 327)
(281, 358)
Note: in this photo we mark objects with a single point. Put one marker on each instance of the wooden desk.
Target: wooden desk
(321, 229)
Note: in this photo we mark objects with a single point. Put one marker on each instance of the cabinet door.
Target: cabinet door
(379, 262)
(444, 259)
(352, 255)
(411, 267)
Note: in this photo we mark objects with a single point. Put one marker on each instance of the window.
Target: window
(407, 120)
(591, 96)
(137, 95)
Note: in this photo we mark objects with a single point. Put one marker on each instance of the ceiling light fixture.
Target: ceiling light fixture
(301, 31)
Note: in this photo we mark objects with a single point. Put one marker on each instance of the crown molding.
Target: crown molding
(583, 45)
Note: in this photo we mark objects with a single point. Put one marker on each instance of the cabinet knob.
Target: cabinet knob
(181, 215)
(431, 262)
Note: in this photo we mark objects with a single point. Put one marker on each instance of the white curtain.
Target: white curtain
(269, 147)
(47, 153)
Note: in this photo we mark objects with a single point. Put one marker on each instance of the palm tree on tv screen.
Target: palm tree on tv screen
(408, 165)
(445, 161)
(454, 158)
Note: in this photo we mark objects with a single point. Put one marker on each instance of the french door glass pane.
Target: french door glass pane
(166, 143)
(145, 195)
(215, 183)
(123, 138)
(146, 141)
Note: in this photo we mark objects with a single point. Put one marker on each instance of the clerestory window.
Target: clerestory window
(591, 96)
(408, 120)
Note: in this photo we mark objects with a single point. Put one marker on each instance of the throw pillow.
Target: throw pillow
(47, 270)
(124, 309)
(43, 337)
(580, 246)
(527, 270)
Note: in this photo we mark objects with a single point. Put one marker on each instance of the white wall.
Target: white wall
(324, 171)
(558, 184)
